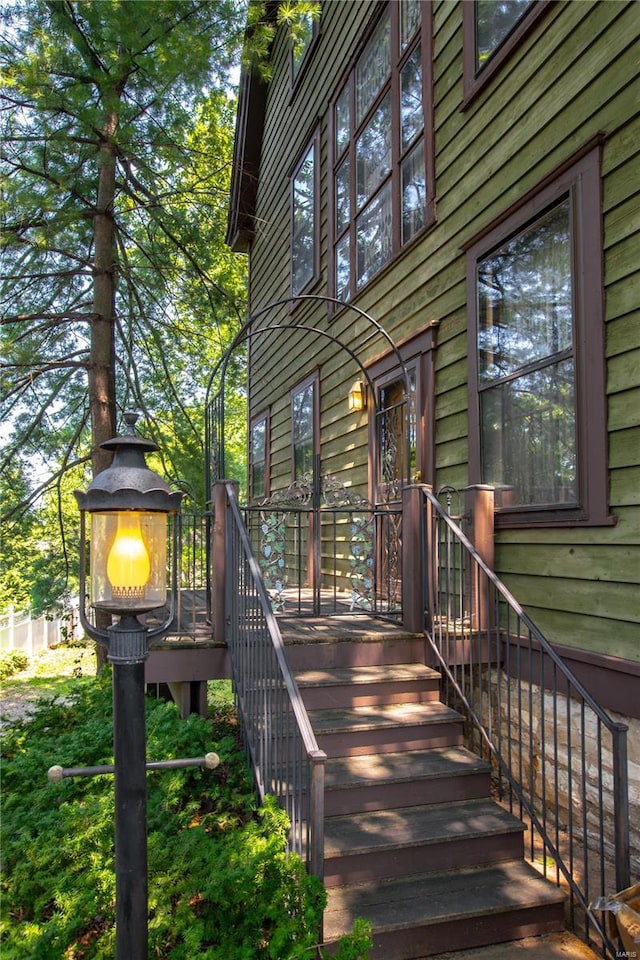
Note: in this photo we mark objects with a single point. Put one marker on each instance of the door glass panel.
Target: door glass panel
(392, 435)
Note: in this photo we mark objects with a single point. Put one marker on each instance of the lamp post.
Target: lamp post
(128, 505)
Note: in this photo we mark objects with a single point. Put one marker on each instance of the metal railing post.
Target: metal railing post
(621, 806)
(219, 555)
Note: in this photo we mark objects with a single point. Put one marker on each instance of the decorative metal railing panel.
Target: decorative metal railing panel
(327, 551)
(280, 742)
(559, 761)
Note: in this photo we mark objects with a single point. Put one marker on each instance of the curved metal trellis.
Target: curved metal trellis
(215, 406)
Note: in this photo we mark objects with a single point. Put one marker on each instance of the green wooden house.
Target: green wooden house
(440, 202)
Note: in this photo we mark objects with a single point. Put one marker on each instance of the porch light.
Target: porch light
(128, 506)
(357, 396)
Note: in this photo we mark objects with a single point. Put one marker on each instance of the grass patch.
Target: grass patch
(51, 673)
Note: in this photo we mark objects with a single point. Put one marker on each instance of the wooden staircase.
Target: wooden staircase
(413, 841)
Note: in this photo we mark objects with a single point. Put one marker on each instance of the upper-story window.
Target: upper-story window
(305, 219)
(537, 403)
(381, 145)
(495, 19)
(305, 29)
(492, 29)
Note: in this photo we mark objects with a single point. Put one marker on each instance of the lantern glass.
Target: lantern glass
(356, 396)
(128, 563)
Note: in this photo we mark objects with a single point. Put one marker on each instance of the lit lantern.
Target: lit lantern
(357, 396)
(128, 505)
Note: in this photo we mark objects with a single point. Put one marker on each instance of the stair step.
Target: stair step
(368, 685)
(310, 643)
(386, 728)
(381, 781)
(418, 916)
(393, 843)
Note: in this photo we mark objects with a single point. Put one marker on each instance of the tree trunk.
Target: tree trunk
(102, 363)
(102, 378)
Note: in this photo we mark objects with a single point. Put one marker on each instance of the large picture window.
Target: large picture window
(537, 404)
(305, 242)
(382, 153)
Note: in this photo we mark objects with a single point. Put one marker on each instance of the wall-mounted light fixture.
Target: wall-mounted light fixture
(357, 396)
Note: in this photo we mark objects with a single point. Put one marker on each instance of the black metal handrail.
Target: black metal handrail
(280, 742)
(558, 759)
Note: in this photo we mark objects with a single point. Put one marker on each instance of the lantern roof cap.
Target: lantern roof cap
(129, 484)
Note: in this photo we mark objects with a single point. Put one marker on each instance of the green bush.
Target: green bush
(12, 662)
(221, 886)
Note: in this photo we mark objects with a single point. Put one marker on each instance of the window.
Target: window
(304, 426)
(381, 140)
(304, 31)
(537, 400)
(305, 220)
(492, 29)
(259, 457)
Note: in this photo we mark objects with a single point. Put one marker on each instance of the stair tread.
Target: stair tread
(407, 765)
(384, 715)
(382, 830)
(428, 899)
(393, 672)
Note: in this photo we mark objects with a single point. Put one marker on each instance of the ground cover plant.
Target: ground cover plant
(221, 886)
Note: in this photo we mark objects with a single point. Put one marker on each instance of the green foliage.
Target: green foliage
(221, 886)
(13, 661)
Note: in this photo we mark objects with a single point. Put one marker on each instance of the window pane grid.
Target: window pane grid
(304, 225)
(380, 182)
(526, 373)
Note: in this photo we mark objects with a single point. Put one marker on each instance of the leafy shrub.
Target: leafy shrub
(12, 662)
(221, 886)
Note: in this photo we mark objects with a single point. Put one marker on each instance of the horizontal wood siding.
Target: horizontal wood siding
(574, 77)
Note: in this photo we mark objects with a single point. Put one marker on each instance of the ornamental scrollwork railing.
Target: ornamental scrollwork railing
(282, 547)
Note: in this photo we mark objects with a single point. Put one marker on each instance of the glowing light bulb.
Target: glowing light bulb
(128, 564)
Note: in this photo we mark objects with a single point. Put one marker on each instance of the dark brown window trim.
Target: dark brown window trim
(475, 82)
(580, 178)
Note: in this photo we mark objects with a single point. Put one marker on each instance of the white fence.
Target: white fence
(19, 631)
